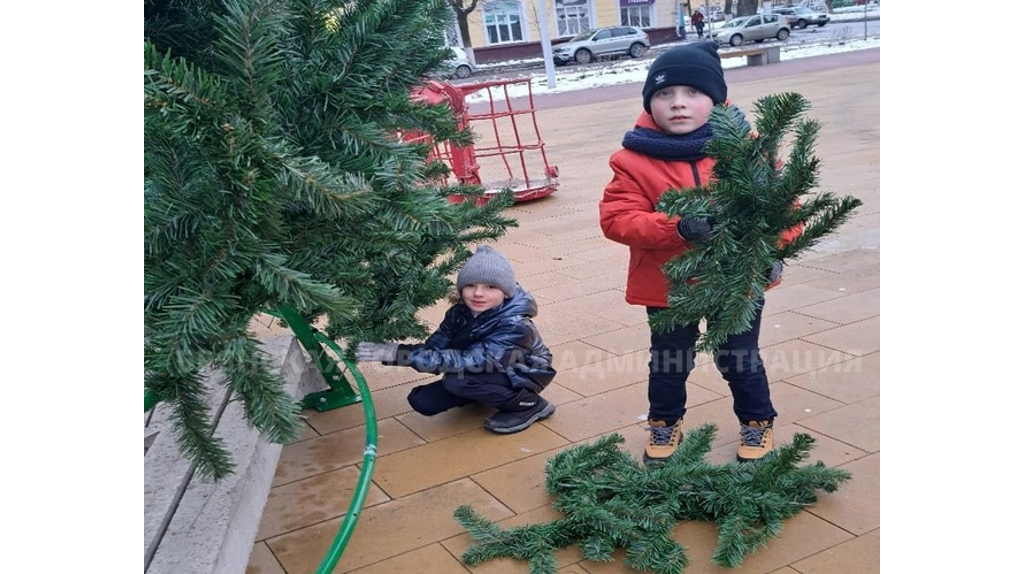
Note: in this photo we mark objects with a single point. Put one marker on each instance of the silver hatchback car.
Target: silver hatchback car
(756, 28)
(800, 17)
(585, 47)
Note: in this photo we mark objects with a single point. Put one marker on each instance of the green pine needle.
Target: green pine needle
(275, 176)
(610, 500)
(754, 198)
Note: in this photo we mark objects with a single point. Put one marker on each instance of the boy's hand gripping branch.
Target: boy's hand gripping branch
(696, 228)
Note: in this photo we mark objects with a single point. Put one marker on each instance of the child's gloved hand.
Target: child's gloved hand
(775, 273)
(695, 228)
(384, 352)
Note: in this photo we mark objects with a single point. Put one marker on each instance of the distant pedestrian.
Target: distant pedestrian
(698, 23)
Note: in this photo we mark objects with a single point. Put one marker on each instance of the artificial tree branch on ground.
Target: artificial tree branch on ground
(610, 500)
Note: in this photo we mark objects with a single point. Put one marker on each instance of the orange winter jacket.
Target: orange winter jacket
(628, 216)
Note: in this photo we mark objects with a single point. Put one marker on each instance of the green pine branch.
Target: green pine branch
(610, 500)
(276, 174)
(266, 404)
(755, 197)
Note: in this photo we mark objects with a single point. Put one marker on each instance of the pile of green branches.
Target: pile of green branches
(610, 500)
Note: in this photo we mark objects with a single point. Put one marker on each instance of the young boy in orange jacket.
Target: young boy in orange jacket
(663, 151)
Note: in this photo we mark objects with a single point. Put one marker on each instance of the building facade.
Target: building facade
(502, 30)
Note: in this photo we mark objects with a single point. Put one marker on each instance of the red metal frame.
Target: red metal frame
(508, 152)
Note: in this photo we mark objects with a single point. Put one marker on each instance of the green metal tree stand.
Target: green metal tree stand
(340, 393)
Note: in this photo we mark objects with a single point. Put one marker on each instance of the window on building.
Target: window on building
(503, 22)
(573, 16)
(452, 37)
(637, 15)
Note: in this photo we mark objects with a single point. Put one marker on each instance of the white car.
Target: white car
(459, 63)
(800, 17)
(585, 47)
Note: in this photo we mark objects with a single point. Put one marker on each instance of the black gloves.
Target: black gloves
(775, 273)
(696, 229)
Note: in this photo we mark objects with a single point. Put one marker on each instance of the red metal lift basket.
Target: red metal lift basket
(508, 152)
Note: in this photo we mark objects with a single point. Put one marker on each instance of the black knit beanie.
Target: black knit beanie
(696, 65)
(489, 267)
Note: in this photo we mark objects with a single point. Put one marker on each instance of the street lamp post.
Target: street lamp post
(865, 20)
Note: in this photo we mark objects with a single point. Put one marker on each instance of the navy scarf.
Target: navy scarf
(660, 145)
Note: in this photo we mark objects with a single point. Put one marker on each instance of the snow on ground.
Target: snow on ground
(628, 71)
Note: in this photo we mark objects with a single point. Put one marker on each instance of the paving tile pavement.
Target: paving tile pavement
(820, 340)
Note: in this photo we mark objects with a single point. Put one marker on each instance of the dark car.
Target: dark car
(800, 17)
(585, 47)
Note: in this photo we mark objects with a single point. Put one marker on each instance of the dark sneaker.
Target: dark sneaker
(507, 422)
(756, 440)
(663, 442)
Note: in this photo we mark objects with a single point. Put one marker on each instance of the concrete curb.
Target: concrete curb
(204, 527)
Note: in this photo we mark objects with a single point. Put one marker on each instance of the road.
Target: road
(851, 30)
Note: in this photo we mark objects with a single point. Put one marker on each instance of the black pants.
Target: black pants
(700, 29)
(738, 360)
(458, 389)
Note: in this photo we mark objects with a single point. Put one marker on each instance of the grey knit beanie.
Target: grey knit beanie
(489, 267)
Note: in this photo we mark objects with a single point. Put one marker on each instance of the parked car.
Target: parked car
(756, 28)
(800, 17)
(459, 63)
(584, 47)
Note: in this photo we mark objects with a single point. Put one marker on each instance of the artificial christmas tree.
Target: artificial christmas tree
(754, 200)
(276, 178)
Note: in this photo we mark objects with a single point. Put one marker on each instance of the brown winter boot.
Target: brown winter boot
(663, 442)
(756, 440)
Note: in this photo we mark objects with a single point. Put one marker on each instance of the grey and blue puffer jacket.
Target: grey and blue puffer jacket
(503, 339)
